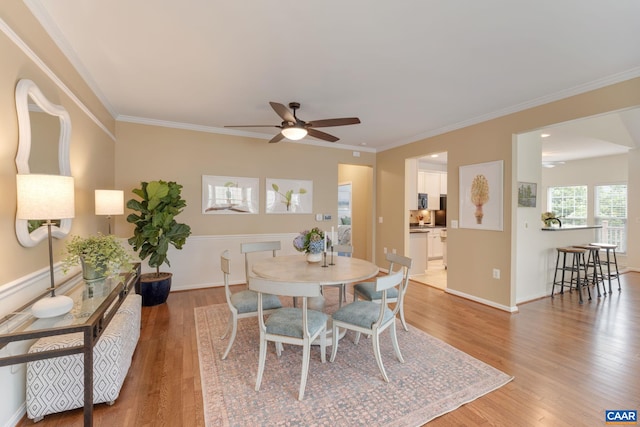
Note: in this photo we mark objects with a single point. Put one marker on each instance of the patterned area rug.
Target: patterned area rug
(435, 379)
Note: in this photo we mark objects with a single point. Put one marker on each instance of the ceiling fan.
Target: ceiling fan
(294, 129)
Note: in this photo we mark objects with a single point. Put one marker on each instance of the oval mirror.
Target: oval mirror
(43, 147)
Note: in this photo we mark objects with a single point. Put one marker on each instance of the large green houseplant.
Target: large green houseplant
(100, 256)
(156, 229)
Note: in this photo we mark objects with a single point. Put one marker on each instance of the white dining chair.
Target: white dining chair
(371, 318)
(366, 290)
(290, 325)
(254, 247)
(241, 304)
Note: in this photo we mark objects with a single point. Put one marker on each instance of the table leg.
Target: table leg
(88, 377)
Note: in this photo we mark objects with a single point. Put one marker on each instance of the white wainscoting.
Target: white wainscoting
(197, 265)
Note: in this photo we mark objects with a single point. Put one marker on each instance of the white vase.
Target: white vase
(314, 257)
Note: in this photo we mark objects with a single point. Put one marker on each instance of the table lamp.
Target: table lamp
(109, 202)
(48, 198)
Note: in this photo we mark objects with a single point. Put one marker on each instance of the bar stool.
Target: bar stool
(609, 248)
(575, 267)
(593, 262)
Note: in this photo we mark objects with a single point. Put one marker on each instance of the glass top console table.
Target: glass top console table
(93, 309)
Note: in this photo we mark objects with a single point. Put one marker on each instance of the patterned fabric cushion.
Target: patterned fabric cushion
(55, 385)
(247, 301)
(288, 322)
(368, 291)
(361, 313)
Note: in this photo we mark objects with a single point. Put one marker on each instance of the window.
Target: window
(611, 213)
(569, 204)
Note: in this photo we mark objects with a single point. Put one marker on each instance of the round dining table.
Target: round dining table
(295, 268)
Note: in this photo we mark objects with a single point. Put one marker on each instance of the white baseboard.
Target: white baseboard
(513, 309)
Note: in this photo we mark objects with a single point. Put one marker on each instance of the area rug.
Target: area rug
(435, 379)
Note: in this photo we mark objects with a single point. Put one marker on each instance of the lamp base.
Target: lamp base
(52, 306)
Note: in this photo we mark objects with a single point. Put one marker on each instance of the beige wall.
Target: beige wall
(472, 254)
(92, 153)
(92, 150)
(146, 153)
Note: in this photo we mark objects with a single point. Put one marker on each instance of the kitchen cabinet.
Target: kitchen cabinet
(443, 183)
(434, 183)
(435, 244)
(418, 247)
(422, 181)
(411, 184)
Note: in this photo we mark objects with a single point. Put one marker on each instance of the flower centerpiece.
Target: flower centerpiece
(101, 256)
(549, 218)
(312, 242)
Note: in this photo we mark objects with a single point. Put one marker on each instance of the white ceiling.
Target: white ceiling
(408, 70)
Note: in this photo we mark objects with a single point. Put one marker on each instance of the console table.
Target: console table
(92, 312)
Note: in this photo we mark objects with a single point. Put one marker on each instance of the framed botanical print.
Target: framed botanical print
(289, 196)
(230, 195)
(481, 196)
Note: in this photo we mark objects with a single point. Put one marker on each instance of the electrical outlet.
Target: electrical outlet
(393, 251)
(318, 217)
(384, 250)
(379, 220)
(496, 273)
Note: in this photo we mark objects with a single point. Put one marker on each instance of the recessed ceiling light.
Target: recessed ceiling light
(363, 143)
(545, 135)
(550, 165)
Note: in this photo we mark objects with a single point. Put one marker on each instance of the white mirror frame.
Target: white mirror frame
(25, 89)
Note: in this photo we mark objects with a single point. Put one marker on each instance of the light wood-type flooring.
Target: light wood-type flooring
(570, 361)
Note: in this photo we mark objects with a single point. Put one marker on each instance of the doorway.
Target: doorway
(427, 232)
(356, 181)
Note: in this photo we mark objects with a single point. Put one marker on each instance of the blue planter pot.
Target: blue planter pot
(154, 291)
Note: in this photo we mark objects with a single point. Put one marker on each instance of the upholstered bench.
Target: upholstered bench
(55, 385)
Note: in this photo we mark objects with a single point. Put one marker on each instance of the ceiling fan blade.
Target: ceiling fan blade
(334, 122)
(283, 112)
(322, 135)
(279, 137)
(252, 126)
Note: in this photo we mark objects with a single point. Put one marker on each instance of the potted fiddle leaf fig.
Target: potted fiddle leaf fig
(156, 229)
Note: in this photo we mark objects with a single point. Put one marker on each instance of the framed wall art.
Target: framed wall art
(527, 194)
(230, 195)
(481, 194)
(289, 196)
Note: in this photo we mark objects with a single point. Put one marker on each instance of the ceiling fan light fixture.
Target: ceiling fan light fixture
(294, 133)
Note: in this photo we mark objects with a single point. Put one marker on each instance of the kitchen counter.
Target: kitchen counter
(571, 227)
(424, 228)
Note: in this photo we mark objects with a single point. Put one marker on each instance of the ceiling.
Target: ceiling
(408, 69)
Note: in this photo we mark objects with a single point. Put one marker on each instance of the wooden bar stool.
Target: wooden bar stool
(593, 262)
(609, 248)
(575, 267)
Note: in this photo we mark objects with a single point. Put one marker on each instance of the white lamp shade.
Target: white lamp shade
(109, 202)
(294, 133)
(45, 197)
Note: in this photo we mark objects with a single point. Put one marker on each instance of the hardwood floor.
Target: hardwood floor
(570, 361)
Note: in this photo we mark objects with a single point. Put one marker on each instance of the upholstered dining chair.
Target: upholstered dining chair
(371, 318)
(241, 304)
(341, 250)
(253, 247)
(289, 325)
(366, 290)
